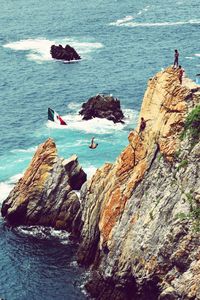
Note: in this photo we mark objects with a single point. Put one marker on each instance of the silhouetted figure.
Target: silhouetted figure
(93, 145)
(180, 74)
(176, 56)
(142, 125)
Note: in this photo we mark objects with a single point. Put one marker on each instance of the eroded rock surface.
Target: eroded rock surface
(101, 106)
(131, 230)
(44, 195)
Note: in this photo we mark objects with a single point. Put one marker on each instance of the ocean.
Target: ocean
(122, 45)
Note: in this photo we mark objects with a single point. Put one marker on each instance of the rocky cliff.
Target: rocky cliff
(139, 218)
(133, 234)
(45, 194)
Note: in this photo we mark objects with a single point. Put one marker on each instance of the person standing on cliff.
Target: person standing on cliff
(142, 125)
(176, 56)
(180, 74)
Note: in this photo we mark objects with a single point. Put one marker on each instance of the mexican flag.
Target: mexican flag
(55, 117)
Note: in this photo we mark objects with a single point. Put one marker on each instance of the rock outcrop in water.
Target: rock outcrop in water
(140, 213)
(101, 106)
(44, 195)
(64, 53)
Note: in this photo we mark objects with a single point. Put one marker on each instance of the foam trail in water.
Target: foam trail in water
(129, 18)
(179, 23)
(197, 54)
(122, 21)
(39, 48)
(189, 57)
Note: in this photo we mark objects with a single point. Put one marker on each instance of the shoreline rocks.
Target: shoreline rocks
(67, 53)
(45, 194)
(101, 106)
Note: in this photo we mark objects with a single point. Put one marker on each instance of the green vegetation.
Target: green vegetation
(160, 156)
(192, 125)
(182, 164)
(151, 215)
(194, 213)
(177, 153)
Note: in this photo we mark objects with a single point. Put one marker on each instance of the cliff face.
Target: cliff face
(131, 232)
(138, 218)
(45, 196)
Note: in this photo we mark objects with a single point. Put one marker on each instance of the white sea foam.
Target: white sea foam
(7, 186)
(5, 189)
(29, 150)
(189, 57)
(96, 125)
(90, 171)
(197, 54)
(129, 18)
(44, 233)
(74, 106)
(14, 179)
(138, 24)
(39, 49)
(122, 21)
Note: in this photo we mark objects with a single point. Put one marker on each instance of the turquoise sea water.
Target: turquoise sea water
(122, 44)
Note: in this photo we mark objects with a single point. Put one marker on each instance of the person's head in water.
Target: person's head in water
(176, 50)
(180, 67)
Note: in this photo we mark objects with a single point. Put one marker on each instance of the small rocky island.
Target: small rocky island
(101, 106)
(64, 53)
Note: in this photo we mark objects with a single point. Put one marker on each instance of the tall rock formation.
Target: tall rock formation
(44, 195)
(131, 233)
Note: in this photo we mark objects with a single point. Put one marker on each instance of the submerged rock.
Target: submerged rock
(65, 53)
(101, 106)
(44, 195)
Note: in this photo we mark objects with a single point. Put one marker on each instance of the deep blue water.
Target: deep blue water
(122, 44)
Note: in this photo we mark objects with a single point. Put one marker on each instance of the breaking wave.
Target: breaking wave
(44, 233)
(95, 125)
(39, 49)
